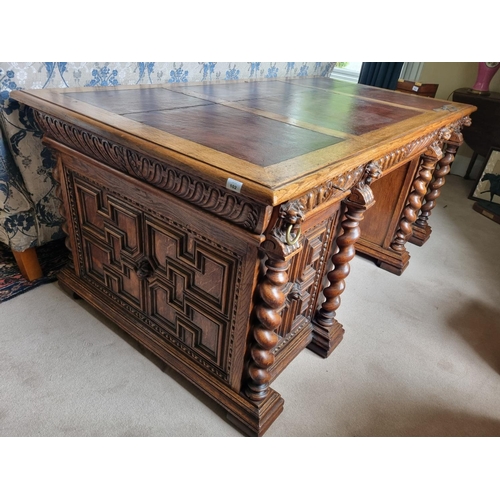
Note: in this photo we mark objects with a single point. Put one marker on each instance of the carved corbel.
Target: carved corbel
(466, 121)
(361, 193)
(444, 134)
(284, 238)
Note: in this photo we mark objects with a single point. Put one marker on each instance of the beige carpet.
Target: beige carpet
(421, 355)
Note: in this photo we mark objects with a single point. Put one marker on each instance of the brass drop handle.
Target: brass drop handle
(289, 239)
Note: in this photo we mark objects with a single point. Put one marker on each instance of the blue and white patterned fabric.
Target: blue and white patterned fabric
(29, 208)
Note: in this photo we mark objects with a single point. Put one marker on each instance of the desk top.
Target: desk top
(277, 137)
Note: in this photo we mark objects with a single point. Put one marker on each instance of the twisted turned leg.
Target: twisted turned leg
(327, 331)
(259, 404)
(411, 210)
(421, 228)
(268, 319)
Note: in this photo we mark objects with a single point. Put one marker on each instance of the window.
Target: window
(346, 71)
(349, 71)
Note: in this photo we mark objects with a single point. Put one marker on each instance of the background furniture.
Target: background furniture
(29, 206)
(216, 223)
(484, 132)
(417, 88)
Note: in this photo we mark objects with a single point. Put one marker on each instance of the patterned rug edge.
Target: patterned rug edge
(52, 257)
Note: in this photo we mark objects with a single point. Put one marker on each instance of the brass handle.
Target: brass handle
(289, 239)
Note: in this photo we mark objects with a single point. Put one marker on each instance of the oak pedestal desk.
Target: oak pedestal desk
(215, 223)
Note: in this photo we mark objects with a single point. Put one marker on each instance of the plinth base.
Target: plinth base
(324, 340)
(420, 235)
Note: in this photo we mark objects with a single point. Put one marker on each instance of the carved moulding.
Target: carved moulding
(219, 201)
(390, 160)
(333, 188)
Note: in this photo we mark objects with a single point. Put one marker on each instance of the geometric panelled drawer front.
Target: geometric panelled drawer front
(183, 286)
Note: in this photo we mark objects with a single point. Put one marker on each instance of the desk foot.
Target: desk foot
(255, 420)
(420, 235)
(386, 258)
(397, 270)
(325, 340)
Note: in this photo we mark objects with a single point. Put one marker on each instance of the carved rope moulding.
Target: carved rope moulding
(225, 204)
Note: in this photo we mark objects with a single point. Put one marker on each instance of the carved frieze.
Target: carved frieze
(408, 150)
(219, 201)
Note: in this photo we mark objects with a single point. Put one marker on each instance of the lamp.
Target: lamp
(485, 72)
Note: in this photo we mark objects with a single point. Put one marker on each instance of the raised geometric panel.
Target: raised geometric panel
(190, 265)
(111, 237)
(105, 217)
(182, 285)
(192, 292)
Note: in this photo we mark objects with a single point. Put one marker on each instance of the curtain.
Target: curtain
(380, 74)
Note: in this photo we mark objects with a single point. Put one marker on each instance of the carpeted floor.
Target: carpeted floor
(421, 355)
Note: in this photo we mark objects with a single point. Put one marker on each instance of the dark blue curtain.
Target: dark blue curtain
(380, 74)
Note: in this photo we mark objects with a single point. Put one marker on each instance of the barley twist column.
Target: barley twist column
(416, 196)
(345, 253)
(267, 313)
(421, 228)
(438, 181)
(328, 332)
(281, 244)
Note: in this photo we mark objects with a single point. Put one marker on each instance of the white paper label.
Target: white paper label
(234, 185)
(415, 88)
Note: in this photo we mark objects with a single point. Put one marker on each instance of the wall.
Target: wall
(451, 76)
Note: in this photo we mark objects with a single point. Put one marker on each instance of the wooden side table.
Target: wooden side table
(417, 88)
(485, 129)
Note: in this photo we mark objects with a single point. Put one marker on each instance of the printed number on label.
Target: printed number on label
(234, 185)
